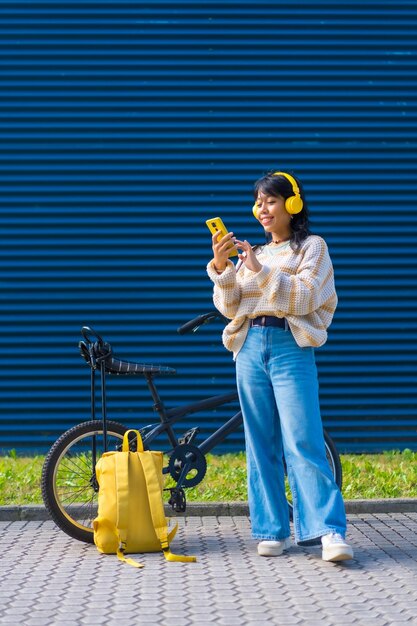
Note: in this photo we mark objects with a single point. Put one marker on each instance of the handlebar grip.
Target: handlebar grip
(190, 326)
(195, 323)
(90, 335)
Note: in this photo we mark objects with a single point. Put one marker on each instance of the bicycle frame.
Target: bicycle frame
(170, 417)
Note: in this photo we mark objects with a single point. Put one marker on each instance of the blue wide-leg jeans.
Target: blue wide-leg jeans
(278, 394)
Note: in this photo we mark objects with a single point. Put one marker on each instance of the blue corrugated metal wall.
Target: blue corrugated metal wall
(124, 125)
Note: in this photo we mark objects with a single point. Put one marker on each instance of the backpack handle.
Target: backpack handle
(126, 443)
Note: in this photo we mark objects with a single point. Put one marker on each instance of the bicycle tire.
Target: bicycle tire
(67, 468)
(333, 459)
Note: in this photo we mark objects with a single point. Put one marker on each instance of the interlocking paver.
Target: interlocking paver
(51, 579)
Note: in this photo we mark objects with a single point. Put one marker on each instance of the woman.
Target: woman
(280, 302)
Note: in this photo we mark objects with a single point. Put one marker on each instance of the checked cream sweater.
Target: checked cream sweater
(296, 285)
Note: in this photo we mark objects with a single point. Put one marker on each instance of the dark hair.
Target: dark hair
(280, 186)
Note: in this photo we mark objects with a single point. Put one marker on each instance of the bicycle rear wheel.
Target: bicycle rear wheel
(333, 460)
(69, 486)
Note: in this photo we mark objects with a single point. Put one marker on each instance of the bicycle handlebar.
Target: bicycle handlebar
(91, 336)
(193, 325)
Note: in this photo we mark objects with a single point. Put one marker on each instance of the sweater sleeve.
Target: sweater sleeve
(227, 292)
(305, 291)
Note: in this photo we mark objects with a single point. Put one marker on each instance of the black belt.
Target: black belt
(269, 320)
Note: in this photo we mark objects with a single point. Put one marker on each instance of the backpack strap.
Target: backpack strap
(122, 505)
(157, 509)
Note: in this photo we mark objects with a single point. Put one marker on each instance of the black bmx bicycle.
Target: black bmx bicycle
(69, 485)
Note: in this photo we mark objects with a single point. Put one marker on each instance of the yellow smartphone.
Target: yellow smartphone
(216, 224)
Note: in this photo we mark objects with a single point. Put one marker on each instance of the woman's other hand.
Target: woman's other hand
(248, 257)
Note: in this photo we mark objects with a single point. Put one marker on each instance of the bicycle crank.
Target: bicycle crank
(189, 458)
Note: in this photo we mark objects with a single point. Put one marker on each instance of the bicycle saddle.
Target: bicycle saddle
(96, 352)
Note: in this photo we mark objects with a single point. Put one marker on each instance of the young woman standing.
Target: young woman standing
(280, 303)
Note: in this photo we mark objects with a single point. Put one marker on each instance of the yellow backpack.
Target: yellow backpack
(131, 514)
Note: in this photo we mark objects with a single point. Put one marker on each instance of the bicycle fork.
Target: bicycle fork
(93, 479)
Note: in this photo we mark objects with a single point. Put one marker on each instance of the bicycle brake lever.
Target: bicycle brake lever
(92, 356)
(90, 335)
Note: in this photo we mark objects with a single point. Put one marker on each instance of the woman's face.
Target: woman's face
(272, 214)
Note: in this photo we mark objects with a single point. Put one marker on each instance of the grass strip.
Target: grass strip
(370, 476)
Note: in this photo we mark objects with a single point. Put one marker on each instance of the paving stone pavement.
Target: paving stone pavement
(47, 578)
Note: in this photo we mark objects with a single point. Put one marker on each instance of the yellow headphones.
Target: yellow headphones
(293, 204)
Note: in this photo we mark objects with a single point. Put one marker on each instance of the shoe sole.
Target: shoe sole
(334, 556)
(274, 551)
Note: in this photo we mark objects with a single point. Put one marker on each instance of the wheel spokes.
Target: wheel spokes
(74, 482)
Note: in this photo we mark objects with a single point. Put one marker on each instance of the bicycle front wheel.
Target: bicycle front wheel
(69, 486)
(333, 459)
(335, 465)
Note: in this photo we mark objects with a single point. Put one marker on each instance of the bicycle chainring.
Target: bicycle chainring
(197, 464)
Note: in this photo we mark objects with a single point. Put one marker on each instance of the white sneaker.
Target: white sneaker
(273, 548)
(335, 548)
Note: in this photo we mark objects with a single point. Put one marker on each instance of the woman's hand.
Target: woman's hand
(221, 250)
(248, 257)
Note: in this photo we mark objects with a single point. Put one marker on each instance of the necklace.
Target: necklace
(281, 240)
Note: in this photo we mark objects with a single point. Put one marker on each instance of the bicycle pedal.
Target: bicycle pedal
(189, 436)
(177, 500)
